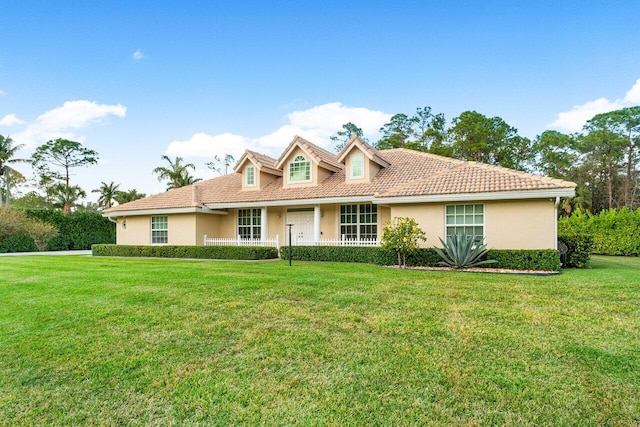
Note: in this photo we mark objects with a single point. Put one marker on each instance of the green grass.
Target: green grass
(100, 341)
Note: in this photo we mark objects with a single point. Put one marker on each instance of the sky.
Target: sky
(138, 80)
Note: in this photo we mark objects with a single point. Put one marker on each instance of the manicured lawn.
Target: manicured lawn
(156, 342)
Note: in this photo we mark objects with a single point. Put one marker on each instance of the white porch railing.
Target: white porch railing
(342, 241)
(214, 241)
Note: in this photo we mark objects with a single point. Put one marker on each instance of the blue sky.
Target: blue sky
(135, 80)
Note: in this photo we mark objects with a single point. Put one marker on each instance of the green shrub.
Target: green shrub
(521, 259)
(78, 230)
(17, 243)
(525, 259)
(614, 232)
(402, 236)
(365, 254)
(196, 252)
(579, 247)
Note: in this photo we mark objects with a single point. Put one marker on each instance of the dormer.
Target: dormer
(257, 170)
(362, 162)
(304, 164)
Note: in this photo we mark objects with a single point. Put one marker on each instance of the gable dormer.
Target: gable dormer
(257, 170)
(362, 162)
(304, 164)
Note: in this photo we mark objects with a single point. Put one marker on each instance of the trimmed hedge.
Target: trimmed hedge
(615, 232)
(18, 243)
(579, 247)
(78, 230)
(523, 259)
(197, 252)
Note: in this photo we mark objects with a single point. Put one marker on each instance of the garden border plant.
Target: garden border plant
(179, 251)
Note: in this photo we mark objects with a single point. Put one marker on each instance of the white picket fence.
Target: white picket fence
(342, 241)
(211, 241)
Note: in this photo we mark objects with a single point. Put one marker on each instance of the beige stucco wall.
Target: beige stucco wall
(517, 224)
(526, 224)
(137, 231)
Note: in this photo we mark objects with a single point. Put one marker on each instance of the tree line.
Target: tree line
(603, 159)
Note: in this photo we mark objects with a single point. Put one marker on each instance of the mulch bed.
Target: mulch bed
(487, 270)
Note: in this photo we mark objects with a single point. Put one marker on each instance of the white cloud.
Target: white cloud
(575, 119)
(10, 120)
(61, 122)
(203, 145)
(137, 55)
(2, 93)
(316, 124)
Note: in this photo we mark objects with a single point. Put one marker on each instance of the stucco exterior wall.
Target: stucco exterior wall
(429, 216)
(207, 224)
(137, 231)
(524, 224)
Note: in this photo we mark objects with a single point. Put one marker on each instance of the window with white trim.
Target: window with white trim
(249, 223)
(250, 173)
(359, 222)
(300, 170)
(468, 219)
(159, 229)
(357, 165)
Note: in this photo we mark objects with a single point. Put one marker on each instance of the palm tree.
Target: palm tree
(177, 173)
(187, 179)
(128, 196)
(108, 194)
(66, 197)
(7, 152)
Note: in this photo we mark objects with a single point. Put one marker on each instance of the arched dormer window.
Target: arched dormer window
(300, 170)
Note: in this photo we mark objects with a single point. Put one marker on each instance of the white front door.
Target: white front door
(302, 230)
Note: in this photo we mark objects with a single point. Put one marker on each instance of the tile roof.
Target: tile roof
(323, 157)
(264, 162)
(410, 173)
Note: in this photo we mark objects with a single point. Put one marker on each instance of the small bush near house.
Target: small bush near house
(197, 252)
(402, 236)
(579, 247)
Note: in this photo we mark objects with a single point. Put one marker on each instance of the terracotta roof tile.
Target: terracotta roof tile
(410, 173)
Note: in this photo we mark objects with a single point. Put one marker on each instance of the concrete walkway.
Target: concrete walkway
(88, 252)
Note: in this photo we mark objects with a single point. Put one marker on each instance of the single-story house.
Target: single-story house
(346, 198)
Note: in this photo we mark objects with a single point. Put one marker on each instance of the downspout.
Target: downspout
(555, 221)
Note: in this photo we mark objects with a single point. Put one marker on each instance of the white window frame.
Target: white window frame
(467, 222)
(165, 230)
(299, 162)
(360, 158)
(359, 213)
(250, 172)
(255, 223)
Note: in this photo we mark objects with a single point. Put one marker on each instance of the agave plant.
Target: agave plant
(461, 251)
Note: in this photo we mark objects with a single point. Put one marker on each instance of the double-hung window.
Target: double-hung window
(300, 170)
(467, 219)
(159, 229)
(359, 222)
(249, 223)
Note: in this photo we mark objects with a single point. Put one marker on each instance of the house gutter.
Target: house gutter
(493, 195)
(555, 219)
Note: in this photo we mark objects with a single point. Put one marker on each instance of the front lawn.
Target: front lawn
(157, 342)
